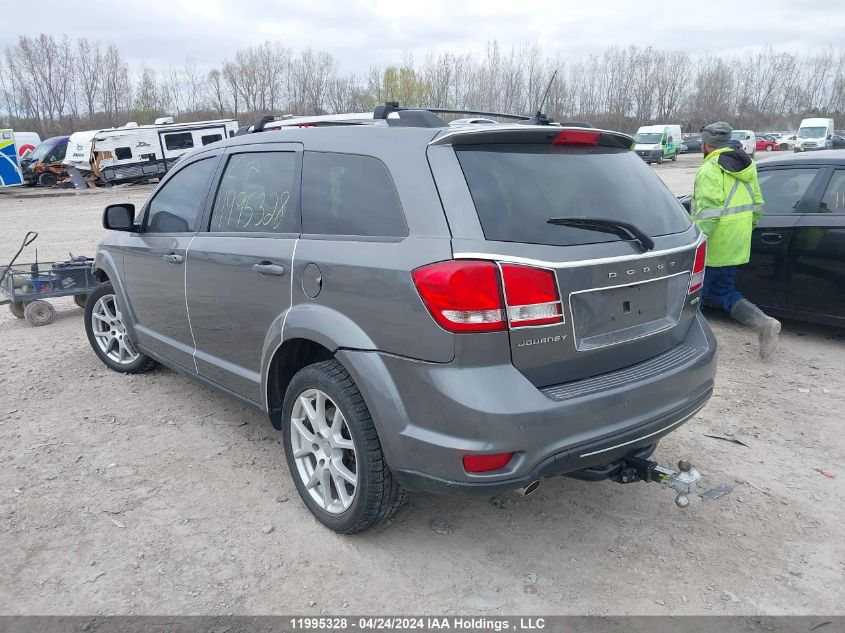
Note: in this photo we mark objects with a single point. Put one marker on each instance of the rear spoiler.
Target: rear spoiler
(535, 134)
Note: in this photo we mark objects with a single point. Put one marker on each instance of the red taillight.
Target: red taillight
(531, 295)
(462, 296)
(486, 463)
(697, 277)
(577, 137)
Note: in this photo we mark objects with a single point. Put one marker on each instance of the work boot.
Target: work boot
(768, 329)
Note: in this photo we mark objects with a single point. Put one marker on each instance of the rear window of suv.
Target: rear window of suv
(518, 188)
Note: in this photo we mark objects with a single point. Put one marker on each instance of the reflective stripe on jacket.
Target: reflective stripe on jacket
(726, 205)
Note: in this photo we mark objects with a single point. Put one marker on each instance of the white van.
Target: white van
(655, 143)
(814, 134)
(747, 139)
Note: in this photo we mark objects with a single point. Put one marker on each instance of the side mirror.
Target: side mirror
(119, 217)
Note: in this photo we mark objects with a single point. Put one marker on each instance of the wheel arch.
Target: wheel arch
(290, 357)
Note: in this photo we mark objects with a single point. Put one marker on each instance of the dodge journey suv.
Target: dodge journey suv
(418, 306)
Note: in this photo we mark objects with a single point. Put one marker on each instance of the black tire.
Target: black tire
(674, 157)
(140, 365)
(769, 148)
(47, 179)
(17, 308)
(80, 300)
(377, 495)
(660, 159)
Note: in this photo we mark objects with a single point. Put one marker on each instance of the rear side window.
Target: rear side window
(783, 189)
(178, 203)
(255, 194)
(834, 197)
(348, 194)
(182, 140)
(518, 188)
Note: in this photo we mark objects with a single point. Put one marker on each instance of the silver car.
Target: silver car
(418, 307)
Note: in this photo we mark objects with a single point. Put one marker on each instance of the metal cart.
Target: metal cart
(26, 286)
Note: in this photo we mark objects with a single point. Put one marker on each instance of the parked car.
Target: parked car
(766, 144)
(797, 267)
(787, 140)
(747, 139)
(418, 306)
(814, 134)
(656, 143)
(693, 143)
(838, 141)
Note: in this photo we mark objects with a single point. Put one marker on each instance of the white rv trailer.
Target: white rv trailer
(139, 152)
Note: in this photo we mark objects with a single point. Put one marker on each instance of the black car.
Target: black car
(797, 267)
(692, 142)
(838, 141)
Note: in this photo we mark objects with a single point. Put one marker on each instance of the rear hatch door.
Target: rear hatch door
(524, 198)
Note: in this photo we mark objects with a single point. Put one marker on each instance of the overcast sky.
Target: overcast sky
(363, 33)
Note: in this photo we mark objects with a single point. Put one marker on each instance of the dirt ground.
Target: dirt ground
(153, 494)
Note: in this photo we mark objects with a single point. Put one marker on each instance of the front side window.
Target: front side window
(783, 189)
(177, 205)
(181, 140)
(255, 194)
(349, 194)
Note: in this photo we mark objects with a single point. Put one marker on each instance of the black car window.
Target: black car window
(177, 205)
(783, 189)
(255, 194)
(123, 153)
(347, 194)
(517, 189)
(833, 200)
(211, 138)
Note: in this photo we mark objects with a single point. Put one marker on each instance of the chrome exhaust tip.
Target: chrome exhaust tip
(529, 489)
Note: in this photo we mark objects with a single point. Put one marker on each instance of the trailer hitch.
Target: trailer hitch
(684, 481)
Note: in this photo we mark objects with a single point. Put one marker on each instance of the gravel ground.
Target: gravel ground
(152, 494)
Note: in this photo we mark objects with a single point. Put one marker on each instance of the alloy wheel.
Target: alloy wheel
(110, 332)
(324, 452)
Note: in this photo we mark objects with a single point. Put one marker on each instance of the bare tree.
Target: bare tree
(89, 73)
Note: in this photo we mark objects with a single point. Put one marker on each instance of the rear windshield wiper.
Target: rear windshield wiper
(625, 230)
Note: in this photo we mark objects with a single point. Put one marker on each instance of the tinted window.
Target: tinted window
(518, 188)
(178, 203)
(834, 197)
(783, 189)
(211, 138)
(183, 140)
(346, 194)
(122, 153)
(255, 194)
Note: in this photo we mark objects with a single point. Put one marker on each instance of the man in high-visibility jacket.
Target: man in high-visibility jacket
(726, 205)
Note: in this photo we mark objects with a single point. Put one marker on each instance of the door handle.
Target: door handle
(173, 258)
(268, 268)
(771, 238)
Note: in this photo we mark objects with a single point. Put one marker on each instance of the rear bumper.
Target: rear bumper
(429, 415)
(595, 461)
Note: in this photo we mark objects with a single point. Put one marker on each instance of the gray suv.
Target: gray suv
(418, 306)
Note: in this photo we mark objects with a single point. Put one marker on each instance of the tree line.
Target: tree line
(55, 85)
